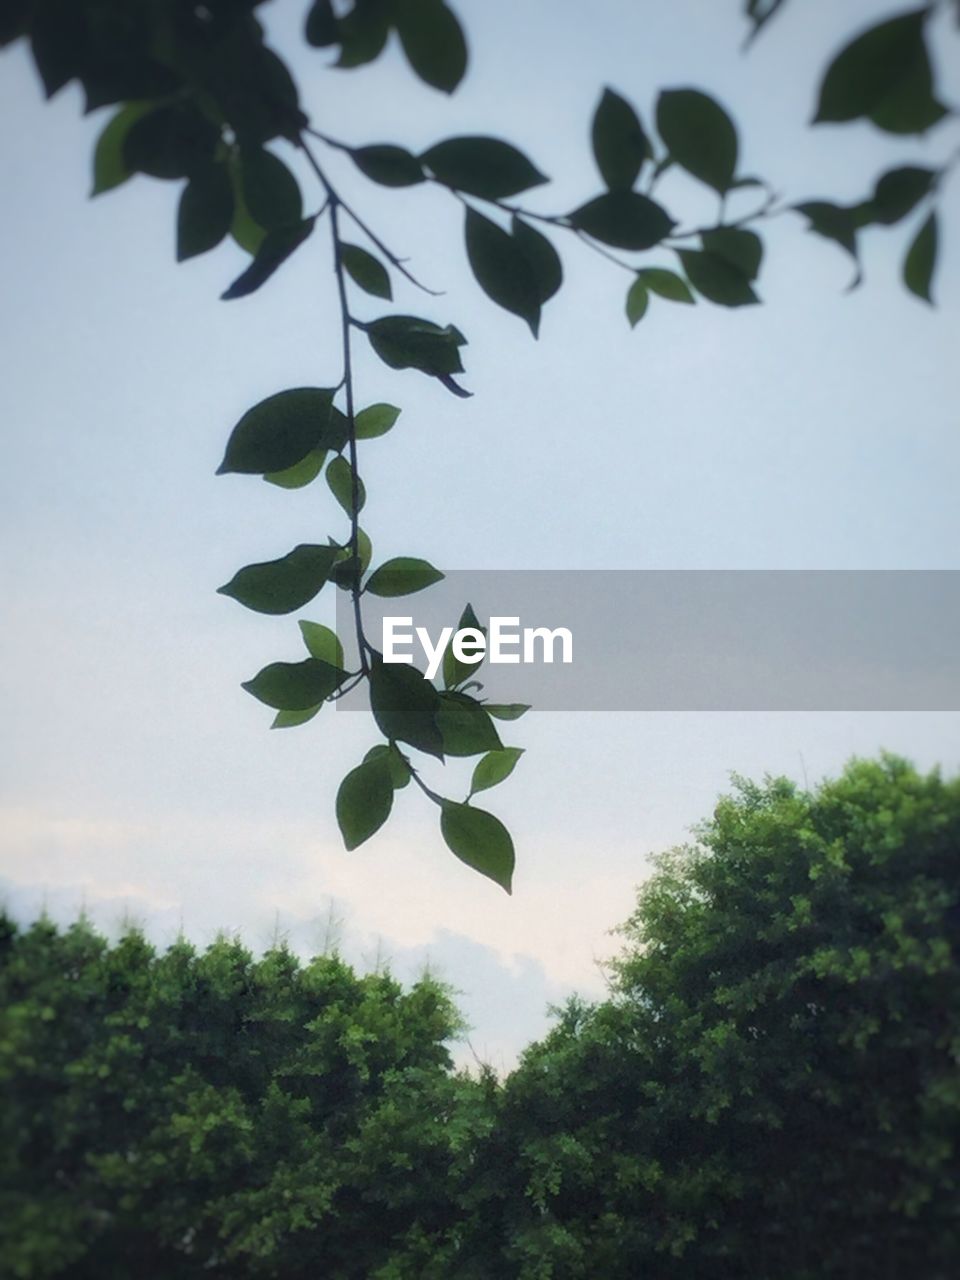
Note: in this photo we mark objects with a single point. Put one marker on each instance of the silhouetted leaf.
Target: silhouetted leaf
(717, 278)
(699, 136)
(743, 249)
(366, 271)
(541, 255)
(276, 248)
(57, 38)
(205, 211)
(363, 33)
(501, 268)
(364, 801)
(405, 706)
(375, 421)
(480, 840)
(760, 12)
(294, 686)
(884, 74)
(921, 260)
(320, 29)
(897, 193)
(389, 165)
(833, 222)
(170, 142)
(278, 432)
(494, 768)
(340, 480)
(301, 473)
(624, 219)
(620, 145)
(291, 719)
(485, 167)
(666, 284)
(109, 167)
(465, 726)
(433, 42)
(403, 576)
(407, 342)
(322, 643)
(507, 710)
(280, 586)
(638, 299)
(270, 191)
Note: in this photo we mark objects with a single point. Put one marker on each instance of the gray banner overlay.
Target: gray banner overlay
(668, 640)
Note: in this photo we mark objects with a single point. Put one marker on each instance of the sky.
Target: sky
(139, 782)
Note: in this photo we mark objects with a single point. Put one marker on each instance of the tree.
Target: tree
(772, 1088)
(199, 98)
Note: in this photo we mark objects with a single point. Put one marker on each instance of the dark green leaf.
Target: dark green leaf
(884, 75)
(322, 643)
(278, 432)
(620, 145)
(717, 279)
(485, 167)
(291, 719)
(170, 142)
(375, 421)
(624, 219)
(433, 42)
(502, 269)
(270, 191)
(109, 167)
(205, 212)
(921, 260)
(638, 299)
(340, 480)
(406, 342)
(364, 801)
(480, 840)
(363, 33)
(301, 473)
(244, 229)
(403, 576)
(742, 249)
(507, 710)
(699, 136)
(57, 37)
(465, 726)
(276, 248)
(294, 686)
(666, 284)
(494, 768)
(366, 271)
(541, 255)
(405, 706)
(454, 670)
(321, 25)
(280, 586)
(389, 165)
(833, 222)
(897, 193)
(399, 769)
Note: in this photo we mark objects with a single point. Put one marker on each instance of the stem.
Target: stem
(431, 795)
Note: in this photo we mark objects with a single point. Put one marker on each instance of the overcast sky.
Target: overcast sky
(817, 431)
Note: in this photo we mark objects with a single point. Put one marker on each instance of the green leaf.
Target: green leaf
(322, 643)
(620, 145)
(363, 33)
(399, 769)
(389, 165)
(742, 249)
(897, 193)
(506, 710)
(502, 269)
(375, 421)
(244, 229)
(455, 671)
(405, 706)
(699, 136)
(666, 284)
(109, 166)
(291, 719)
(484, 167)
(638, 299)
(717, 279)
(276, 248)
(480, 840)
(280, 586)
(433, 42)
(278, 432)
(366, 271)
(364, 801)
(833, 222)
(170, 142)
(270, 191)
(624, 219)
(320, 29)
(465, 726)
(301, 473)
(494, 768)
(403, 576)
(340, 480)
(406, 342)
(541, 255)
(921, 260)
(884, 75)
(205, 211)
(294, 686)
